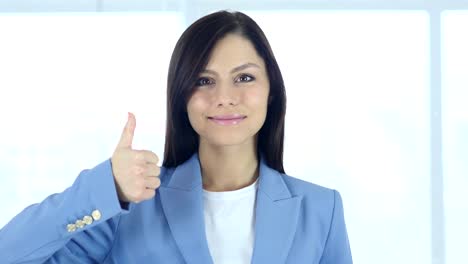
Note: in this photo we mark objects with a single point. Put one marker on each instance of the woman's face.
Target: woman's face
(229, 104)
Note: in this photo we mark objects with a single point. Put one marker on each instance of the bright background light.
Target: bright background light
(455, 131)
(67, 83)
(359, 115)
(357, 121)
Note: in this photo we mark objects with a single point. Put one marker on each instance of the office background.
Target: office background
(377, 104)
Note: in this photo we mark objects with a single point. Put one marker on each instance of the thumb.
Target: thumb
(126, 138)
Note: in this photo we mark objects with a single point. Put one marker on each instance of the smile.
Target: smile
(227, 119)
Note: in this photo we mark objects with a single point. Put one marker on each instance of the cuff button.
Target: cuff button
(71, 228)
(88, 220)
(96, 214)
(79, 223)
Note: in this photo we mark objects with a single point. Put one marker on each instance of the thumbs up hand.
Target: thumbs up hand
(135, 171)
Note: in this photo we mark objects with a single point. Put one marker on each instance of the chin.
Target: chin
(228, 140)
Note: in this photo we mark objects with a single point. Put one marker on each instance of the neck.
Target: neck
(228, 168)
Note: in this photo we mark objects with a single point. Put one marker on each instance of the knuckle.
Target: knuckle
(140, 184)
(138, 170)
(133, 197)
(151, 193)
(151, 154)
(151, 184)
(140, 194)
(158, 182)
(154, 172)
(139, 156)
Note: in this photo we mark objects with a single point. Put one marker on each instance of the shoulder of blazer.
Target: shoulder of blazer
(301, 187)
(314, 195)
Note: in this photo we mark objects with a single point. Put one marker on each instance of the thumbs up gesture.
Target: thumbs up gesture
(135, 171)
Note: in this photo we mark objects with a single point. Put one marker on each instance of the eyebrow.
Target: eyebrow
(236, 69)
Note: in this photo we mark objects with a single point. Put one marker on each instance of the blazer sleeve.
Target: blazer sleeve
(337, 249)
(40, 233)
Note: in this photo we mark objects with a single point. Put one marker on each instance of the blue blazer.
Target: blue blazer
(296, 222)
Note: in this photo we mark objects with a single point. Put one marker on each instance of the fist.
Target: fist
(135, 171)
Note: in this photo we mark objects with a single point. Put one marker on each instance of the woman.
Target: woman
(221, 196)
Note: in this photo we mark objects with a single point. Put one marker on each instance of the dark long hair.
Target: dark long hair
(190, 57)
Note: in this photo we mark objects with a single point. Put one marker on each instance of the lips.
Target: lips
(232, 119)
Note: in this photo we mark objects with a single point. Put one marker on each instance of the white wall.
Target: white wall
(361, 114)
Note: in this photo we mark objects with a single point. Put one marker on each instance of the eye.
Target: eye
(203, 81)
(246, 78)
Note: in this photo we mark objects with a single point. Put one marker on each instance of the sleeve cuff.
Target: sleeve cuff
(103, 191)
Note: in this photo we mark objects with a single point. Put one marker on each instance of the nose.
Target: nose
(226, 95)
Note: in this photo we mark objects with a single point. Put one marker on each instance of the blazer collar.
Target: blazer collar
(276, 213)
(187, 176)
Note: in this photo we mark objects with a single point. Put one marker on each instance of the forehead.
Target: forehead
(231, 51)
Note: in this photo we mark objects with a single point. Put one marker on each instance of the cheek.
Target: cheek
(196, 107)
(257, 99)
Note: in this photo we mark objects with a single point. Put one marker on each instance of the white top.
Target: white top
(229, 224)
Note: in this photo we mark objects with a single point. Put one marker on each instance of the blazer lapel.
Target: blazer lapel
(276, 213)
(183, 206)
